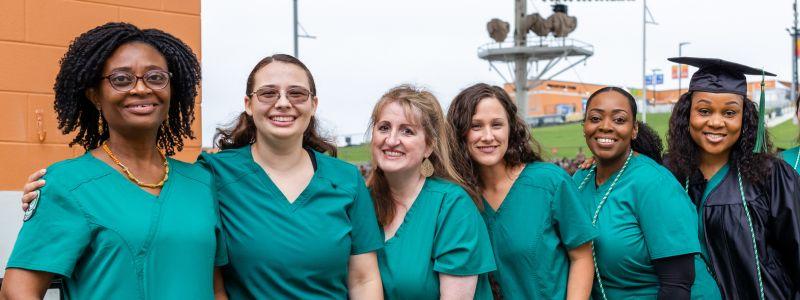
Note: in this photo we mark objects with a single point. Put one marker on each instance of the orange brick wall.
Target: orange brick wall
(34, 34)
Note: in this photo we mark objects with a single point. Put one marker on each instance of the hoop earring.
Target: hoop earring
(427, 168)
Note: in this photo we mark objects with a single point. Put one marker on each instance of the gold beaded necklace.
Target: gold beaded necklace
(130, 175)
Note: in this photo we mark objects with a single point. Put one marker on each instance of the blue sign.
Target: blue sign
(648, 79)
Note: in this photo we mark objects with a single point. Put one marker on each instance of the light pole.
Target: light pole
(645, 21)
(296, 36)
(794, 54)
(680, 69)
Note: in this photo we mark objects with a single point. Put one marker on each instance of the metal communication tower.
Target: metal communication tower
(532, 58)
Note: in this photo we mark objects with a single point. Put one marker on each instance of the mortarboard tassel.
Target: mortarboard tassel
(760, 145)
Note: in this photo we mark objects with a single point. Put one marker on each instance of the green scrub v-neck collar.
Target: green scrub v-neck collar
(273, 188)
(488, 209)
(409, 215)
(108, 169)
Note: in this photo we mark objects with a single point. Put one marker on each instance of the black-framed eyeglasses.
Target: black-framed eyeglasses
(270, 95)
(125, 81)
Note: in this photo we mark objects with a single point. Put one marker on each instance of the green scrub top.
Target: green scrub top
(540, 219)
(790, 156)
(112, 240)
(647, 216)
(298, 250)
(442, 232)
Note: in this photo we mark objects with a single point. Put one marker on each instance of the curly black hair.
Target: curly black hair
(81, 69)
(647, 141)
(683, 155)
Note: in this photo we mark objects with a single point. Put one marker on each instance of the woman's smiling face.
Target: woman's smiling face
(609, 126)
(487, 138)
(715, 121)
(398, 140)
(281, 119)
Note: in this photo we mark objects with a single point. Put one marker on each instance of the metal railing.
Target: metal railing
(533, 40)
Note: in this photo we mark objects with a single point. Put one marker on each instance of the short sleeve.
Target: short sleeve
(366, 235)
(461, 244)
(221, 257)
(205, 161)
(658, 206)
(572, 215)
(55, 237)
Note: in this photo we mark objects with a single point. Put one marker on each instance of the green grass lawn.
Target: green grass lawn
(784, 135)
(566, 139)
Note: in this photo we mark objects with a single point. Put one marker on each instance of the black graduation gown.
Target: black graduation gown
(775, 212)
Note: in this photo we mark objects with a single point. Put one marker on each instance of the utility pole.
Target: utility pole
(521, 62)
(296, 50)
(645, 14)
(794, 53)
(680, 69)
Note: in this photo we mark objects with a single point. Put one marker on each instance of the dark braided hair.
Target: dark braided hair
(82, 67)
(683, 158)
(647, 141)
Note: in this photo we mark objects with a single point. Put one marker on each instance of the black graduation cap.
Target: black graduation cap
(719, 76)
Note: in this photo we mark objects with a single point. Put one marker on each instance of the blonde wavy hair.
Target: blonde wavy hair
(422, 108)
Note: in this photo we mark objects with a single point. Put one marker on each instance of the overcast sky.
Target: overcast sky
(365, 47)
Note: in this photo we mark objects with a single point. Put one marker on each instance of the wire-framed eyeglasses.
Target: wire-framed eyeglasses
(125, 81)
(269, 95)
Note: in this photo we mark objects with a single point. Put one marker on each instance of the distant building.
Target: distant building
(555, 101)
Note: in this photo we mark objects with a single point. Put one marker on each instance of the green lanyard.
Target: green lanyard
(750, 225)
(597, 213)
(797, 159)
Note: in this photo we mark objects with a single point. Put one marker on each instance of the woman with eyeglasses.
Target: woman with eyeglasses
(124, 220)
(299, 224)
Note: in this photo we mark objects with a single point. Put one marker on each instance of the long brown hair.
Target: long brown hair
(422, 108)
(242, 131)
(522, 148)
